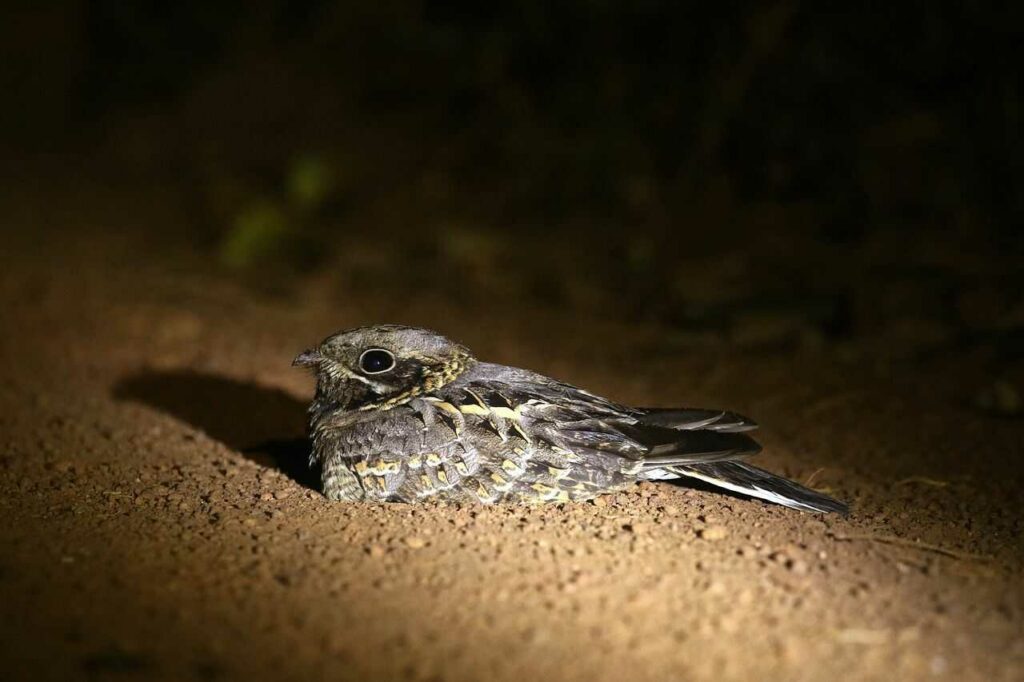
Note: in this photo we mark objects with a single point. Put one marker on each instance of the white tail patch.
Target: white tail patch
(752, 491)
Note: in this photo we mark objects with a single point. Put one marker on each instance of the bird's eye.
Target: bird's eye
(376, 360)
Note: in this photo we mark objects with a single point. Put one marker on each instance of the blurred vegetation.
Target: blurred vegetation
(274, 226)
(785, 171)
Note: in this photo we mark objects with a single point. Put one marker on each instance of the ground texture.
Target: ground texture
(159, 523)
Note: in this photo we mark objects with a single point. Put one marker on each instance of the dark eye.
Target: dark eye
(376, 360)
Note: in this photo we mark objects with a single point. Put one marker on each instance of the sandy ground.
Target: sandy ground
(158, 521)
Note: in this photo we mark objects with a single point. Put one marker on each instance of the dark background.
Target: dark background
(674, 161)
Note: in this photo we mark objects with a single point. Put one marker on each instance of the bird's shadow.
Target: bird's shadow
(265, 424)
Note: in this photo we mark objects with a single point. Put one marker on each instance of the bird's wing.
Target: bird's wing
(596, 428)
(650, 443)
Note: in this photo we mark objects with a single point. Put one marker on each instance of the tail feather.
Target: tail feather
(709, 451)
(691, 419)
(749, 480)
(667, 447)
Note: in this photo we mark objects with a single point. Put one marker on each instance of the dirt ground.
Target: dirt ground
(159, 522)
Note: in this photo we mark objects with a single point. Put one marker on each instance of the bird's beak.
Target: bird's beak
(307, 358)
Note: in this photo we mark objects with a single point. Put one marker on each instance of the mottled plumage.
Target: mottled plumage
(404, 414)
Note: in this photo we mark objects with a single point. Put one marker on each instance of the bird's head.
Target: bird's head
(381, 366)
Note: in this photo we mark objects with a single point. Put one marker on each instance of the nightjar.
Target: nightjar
(404, 414)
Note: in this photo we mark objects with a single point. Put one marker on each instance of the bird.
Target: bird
(403, 414)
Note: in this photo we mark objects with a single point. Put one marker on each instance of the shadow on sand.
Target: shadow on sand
(265, 424)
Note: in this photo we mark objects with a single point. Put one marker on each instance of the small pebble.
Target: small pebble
(637, 528)
(713, 533)
(63, 466)
(797, 566)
